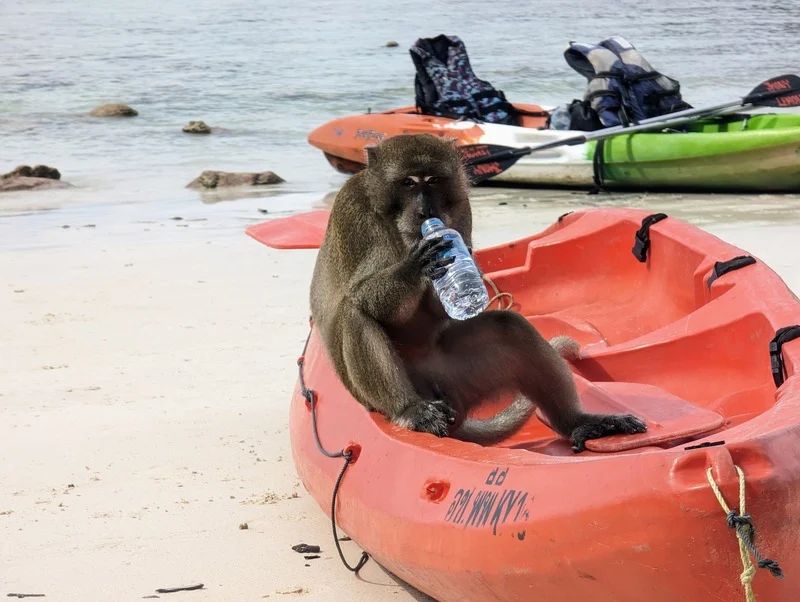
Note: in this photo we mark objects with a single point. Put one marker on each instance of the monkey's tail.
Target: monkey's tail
(566, 347)
(499, 426)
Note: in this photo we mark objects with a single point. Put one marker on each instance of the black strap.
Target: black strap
(636, 77)
(723, 267)
(641, 241)
(489, 93)
(783, 335)
(598, 165)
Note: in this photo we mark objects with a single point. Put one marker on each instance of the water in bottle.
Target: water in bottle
(461, 289)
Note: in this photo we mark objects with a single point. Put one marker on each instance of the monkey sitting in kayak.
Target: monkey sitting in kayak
(386, 332)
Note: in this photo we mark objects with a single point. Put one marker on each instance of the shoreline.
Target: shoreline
(145, 415)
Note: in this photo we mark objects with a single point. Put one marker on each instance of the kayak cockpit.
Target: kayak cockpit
(661, 339)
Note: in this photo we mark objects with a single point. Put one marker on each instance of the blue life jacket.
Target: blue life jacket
(623, 87)
(446, 85)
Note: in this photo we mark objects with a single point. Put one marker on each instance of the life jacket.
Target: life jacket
(623, 87)
(446, 85)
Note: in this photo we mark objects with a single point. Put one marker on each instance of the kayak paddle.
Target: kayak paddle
(484, 161)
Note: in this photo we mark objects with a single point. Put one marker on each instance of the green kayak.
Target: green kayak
(738, 153)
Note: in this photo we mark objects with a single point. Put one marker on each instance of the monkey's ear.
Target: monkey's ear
(372, 155)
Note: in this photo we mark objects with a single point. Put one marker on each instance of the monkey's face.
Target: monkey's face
(413, 178)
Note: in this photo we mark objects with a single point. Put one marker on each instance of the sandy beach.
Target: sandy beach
(144, 401)
(144, 421)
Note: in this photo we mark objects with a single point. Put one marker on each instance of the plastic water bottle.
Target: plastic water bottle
(560, 118)
(461, 289)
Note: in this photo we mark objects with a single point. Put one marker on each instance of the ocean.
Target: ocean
(266, 73)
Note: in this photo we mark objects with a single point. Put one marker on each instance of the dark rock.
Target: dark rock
(40, 171)
(219, 179)
(25, 177)
(43, 171)
(196, 127)
(113, 110)
(25, 171)
(392, 44)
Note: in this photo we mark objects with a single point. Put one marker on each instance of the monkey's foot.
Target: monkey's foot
(596, 426)
(428, 417)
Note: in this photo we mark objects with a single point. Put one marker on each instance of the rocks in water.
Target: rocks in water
(196, 127)
(40, 171)
(392, 44)
(113, 110)
(219, 179)
(26, 177)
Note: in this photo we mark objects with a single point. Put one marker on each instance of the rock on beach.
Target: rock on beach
(25, 177)
(220, 179)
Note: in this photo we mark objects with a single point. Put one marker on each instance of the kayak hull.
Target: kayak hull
(758, 153)
(527, 519)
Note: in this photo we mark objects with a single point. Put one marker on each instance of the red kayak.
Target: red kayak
(675, 326)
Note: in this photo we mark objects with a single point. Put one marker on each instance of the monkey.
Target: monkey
(385, 330)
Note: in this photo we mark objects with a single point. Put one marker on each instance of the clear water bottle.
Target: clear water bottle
(461, 289)
(560, 118)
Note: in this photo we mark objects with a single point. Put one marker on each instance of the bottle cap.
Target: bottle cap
(431, 225)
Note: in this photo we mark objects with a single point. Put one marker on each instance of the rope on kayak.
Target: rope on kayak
(742, 523)
(498, 295)
(311, 397)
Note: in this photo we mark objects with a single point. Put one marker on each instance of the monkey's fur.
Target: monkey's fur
(389, 338)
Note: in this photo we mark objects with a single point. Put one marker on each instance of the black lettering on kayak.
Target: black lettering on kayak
(477, 508)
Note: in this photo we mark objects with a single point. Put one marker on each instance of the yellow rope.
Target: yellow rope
(749, 569)
(498, 295)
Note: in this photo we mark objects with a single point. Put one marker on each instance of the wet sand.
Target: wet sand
(143, 405)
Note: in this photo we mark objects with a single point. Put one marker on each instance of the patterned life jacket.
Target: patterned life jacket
(446, 85)
(623, 87)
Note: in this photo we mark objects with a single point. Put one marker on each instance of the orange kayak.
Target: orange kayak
(685, 339)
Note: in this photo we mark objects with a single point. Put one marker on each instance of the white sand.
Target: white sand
(143, 413)
(143, 406)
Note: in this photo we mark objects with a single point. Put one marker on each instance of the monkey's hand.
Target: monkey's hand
(392, 295)
(428, 417)
(425, 257)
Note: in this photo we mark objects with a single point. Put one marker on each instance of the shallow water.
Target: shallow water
(267, 74)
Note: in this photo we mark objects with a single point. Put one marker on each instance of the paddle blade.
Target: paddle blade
(781, 91)
(479, 172)
(301, 231)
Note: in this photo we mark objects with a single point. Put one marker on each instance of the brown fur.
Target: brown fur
(385, 330)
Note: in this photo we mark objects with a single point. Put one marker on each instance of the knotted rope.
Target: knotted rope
(742, 523)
